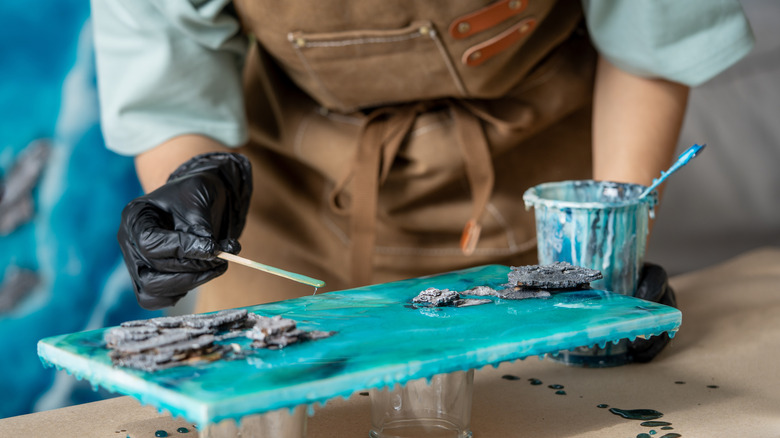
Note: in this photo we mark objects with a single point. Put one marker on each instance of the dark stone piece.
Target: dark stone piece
(560, 275)
(120, 335)
(162, 339)
(210, 320)
(269, 327)
(200, 348)
(467, 302)
(158, 343)
(317, 334)
(216, 321)
(522, 294)
(277, 332)
(279, 341)
(169, 341)
(481, 291)
(231, 335)
(436, 297)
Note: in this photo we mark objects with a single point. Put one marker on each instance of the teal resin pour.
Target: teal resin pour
(595, 224)
(381, 341)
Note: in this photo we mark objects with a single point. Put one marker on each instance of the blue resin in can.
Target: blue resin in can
(596, 224)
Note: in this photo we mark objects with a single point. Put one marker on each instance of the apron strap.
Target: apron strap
(479, 170)
(478, 159)
(382, 134)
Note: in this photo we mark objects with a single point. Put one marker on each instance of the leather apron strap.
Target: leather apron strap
(382, 134)
(479, 171)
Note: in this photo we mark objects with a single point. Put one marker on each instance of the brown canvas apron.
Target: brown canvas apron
(378, 130)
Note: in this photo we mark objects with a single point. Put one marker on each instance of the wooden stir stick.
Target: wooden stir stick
(271, 270)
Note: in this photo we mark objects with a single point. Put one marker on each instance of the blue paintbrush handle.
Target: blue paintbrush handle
(682, 160)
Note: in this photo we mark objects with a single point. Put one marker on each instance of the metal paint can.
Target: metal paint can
(600, 225)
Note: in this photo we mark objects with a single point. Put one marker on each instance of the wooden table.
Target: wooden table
(726, 353)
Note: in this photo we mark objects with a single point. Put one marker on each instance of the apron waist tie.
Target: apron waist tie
(382, 134)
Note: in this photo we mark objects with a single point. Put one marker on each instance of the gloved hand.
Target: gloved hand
(653, 286)
(170, 237)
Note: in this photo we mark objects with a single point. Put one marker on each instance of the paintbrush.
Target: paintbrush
(271, 270)
(681, 161)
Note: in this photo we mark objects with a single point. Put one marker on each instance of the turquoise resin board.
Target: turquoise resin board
(382, 340)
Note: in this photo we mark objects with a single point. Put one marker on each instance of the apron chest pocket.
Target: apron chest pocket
(347, 71)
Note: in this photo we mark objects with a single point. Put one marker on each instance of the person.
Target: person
(365, 142)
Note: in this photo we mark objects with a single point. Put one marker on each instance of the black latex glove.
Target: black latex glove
(170, 237)
(653, 286)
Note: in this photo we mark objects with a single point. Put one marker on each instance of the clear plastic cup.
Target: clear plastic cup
(599, 225)
(439, 407)
(281, 423)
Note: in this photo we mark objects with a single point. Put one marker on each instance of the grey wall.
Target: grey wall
(727, 200)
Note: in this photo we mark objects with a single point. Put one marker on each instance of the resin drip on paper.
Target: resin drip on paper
(379, 339)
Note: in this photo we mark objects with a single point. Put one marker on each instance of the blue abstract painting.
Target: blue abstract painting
(62, 194)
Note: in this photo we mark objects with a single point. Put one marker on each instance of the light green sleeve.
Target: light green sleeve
(167, 68)
(685, 41)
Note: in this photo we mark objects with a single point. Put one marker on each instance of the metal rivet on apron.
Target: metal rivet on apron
(476, 55)
(464, 27)
(524, 28)
(425, 30)
(515, 4)
(300, 42)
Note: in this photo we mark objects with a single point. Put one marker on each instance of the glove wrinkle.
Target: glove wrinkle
(174, 265)
(230, 246)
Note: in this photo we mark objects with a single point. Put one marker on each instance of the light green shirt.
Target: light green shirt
(173, 67)
(685, 41)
